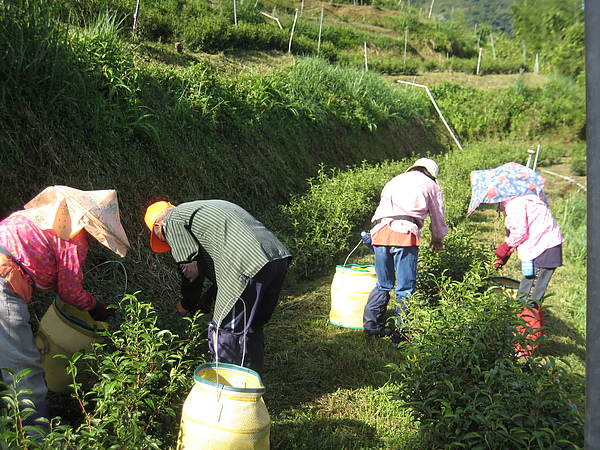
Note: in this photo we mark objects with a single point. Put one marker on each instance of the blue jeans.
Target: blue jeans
(392, 265)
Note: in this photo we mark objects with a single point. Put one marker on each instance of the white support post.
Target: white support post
(292, 33)
(320, 30)
(436, 108)
(405, 44)
(276, 19)
(135, 15)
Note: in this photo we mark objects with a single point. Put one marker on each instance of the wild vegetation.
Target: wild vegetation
(304, 137)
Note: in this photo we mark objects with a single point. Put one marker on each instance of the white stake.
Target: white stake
(436, 108)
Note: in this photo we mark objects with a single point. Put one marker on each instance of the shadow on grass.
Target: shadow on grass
(307, 357)
(561, 340)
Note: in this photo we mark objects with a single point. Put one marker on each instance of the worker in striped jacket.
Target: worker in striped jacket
(244, 263)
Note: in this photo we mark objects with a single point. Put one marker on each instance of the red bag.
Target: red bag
(534, 321)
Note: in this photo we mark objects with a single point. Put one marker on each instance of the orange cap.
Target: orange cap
(152, 213)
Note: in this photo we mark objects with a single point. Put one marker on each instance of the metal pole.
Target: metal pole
(592, 379)
(436, 108)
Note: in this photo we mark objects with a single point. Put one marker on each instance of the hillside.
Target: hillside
(492, 13)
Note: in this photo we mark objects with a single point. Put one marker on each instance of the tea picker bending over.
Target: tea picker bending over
(531, 229)
(405, 202)
(43, 248)
(246, 264)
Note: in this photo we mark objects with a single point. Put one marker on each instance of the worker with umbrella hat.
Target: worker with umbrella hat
(531, 231)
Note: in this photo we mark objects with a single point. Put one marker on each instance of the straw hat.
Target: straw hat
(67, 211)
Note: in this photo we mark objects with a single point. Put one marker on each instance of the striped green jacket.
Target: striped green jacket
(229, 244)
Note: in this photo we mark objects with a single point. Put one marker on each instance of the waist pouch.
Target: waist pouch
(15, 277)
(409, 218)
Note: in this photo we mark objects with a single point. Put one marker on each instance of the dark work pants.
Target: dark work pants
(240, 339)
(534, 287)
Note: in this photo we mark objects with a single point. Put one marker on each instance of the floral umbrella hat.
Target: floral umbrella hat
(67, 211)
(503, 183)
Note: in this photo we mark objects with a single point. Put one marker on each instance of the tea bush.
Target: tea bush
(500, 66)
(463, 260)
(515, 111)
(465, 387)
(336, 207)
(578, 159)
(137, 379)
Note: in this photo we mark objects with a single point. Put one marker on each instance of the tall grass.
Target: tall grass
(35, 63)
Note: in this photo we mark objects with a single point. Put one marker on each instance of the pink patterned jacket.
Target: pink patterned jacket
(532, 227)
(52, 263)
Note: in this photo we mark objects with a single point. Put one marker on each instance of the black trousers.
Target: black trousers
(240, 338)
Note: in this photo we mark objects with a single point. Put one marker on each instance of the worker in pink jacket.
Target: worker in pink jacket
(405, 202)
(43, 248)
(533, 232)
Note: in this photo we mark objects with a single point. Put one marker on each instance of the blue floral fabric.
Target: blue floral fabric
(503, 183)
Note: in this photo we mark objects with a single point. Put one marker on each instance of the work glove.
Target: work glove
(101, 312)
(502, 255)
(436, 245)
